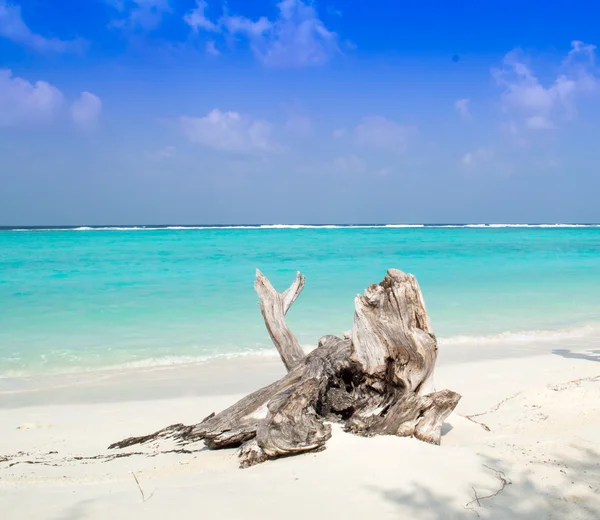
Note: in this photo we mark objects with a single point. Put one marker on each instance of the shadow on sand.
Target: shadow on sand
(75, 512)
(593, 355)
(527, 494)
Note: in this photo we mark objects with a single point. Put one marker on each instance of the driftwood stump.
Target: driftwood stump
(377, 380)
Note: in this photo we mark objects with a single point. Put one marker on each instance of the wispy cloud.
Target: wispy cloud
(211, 48)
(489, 161)
(462, 107)
(477, 157)
(245, 26)
(297, 37)
(349, 164)
(197, 19)
(229, 131)
(168, 152)
(380, 133)
(14, 28)
(145, 15)
(85, 111)
(334, 11)
(539, 107)
(300, 125)
(119, 5)
(353, 164)
(539, 122)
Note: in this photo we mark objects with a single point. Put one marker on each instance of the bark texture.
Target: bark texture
(376, 380)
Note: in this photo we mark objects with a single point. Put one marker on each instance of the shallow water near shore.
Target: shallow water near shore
(88, 299)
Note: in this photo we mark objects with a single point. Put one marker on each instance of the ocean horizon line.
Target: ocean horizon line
(183, 227)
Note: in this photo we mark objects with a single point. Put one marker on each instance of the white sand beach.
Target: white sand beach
(299, 260)
(540, 457)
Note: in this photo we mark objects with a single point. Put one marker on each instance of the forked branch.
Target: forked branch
(274, 306)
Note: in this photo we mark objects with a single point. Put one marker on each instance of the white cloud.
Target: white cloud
(354, 164)
(467, 159)
(240, 24)
(211, 48)
(338, 133)
(350, 45)
(349, 164)
(334, 11)
(25, 103)
(462, 107)
(141, 14)
(12, 27)
(511, 128)
(539, 106)
(381, 133)
(168, 152)
(197, 19)
(384, 171)
(539, 123)
(547, 163)
(85, 111)
(229, 131)
(489, 162)
(297, 37)
(477, 157)
(299, 125)
(119, 5)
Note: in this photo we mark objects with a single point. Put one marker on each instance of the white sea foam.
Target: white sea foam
(179, 228)
(405, 226)
(568, 225)
(567, 335)
(527, 336)
(308, 226)
(112, 228)
(527, 226)
(148, 363)
(176, 361)
(509, 225)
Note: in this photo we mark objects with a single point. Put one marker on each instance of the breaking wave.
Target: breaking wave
(303, 226)
(527, 336)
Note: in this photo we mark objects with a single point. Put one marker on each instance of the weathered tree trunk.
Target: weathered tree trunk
(378, 380)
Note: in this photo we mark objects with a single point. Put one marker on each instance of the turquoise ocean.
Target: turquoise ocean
(85, 299)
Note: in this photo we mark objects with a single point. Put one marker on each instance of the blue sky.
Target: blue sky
(206, 112)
